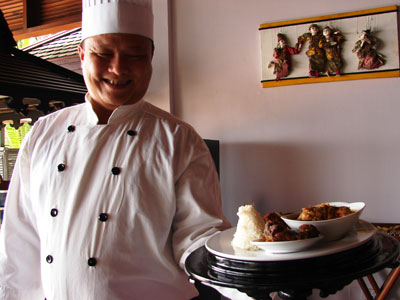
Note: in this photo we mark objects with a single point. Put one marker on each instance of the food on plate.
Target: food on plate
(277, 230)
(250, 227)
(308, 231)
(323, 212)
(333, 220)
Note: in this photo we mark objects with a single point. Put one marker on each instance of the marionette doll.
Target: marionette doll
(366, 50)
(316, 55)
(282, 62)
(331, 43)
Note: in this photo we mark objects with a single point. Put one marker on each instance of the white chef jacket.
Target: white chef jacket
(110, 211)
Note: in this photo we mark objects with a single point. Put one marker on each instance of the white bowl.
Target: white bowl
(332, 229)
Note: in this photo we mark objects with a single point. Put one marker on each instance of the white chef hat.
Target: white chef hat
(117, 16)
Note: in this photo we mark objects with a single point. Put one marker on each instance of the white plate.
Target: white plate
(220, 244)
(287, 246)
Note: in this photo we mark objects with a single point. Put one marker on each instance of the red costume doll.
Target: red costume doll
(282, 57)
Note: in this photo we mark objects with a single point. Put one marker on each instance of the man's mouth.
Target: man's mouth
(117, 82)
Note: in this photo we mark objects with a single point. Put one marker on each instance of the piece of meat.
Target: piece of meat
(308, 231)
(285, 235)
(276, 229)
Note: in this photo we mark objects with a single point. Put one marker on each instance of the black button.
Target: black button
(49, 259)
(71, 128)
(92, 261)
(116, 170)
(61, 167)
(103, 217)
(132, 132)
(54, 212)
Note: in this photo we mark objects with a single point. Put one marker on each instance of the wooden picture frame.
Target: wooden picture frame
(383, 28)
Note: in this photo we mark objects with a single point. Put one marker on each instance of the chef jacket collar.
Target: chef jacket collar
(119, 115)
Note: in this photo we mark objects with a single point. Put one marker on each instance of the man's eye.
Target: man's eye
(103, 54)
(136, 56)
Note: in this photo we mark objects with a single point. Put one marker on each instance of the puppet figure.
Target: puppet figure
(331, 42)
(315, 54)
(365, 48)
(282, 62)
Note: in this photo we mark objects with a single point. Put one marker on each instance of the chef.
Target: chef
(109, 197)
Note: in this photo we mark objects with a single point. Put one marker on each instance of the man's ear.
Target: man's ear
(81, 52)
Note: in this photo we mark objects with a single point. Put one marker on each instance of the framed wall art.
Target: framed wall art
(347, 46)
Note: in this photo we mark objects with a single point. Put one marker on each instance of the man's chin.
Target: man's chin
(119, 101)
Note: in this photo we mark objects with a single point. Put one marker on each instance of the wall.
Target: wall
(284, 148)
(159, 88)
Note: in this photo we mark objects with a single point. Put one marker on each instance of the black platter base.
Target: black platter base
(295, 279)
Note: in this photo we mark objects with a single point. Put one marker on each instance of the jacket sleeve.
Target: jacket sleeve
(198, 198)
(19, 242)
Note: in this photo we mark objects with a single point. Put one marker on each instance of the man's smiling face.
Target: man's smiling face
(117, 68)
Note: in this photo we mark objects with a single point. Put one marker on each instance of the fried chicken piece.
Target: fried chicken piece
(285, 235)
(276, 229)
(308, 231)
(274, 218)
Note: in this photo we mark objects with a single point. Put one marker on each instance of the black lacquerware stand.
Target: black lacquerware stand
(295, 279)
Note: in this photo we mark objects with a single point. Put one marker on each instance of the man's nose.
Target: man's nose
(118, 65)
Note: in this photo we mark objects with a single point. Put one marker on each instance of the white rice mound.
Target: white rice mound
(250, 227)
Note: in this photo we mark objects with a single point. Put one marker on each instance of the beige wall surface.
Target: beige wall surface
(159, 89)
(284, 148)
